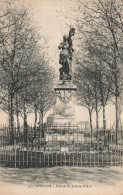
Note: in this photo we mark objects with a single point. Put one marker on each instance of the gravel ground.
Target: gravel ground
(92, 176)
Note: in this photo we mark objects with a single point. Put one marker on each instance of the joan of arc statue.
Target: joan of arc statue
(65, 58)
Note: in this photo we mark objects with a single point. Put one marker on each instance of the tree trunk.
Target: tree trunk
(117, 117)
(25, 124)
(12, 118)
(42, 125)
(90, 118)
(104, 118)
(97, 113)
(18, 123)
(97, 120)
(35, 123)
(17, 114)
(117, 106)
(40, 120)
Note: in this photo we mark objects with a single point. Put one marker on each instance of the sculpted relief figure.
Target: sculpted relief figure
(65, 58)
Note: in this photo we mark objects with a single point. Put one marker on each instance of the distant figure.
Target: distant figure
(65, 58)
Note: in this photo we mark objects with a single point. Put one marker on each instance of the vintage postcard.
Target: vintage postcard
(61, 97)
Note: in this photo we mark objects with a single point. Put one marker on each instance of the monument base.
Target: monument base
(64, 85)
(64, 112)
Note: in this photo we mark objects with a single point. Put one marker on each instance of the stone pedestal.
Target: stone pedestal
(63, 110)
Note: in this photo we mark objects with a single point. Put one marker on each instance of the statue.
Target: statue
(65, 58)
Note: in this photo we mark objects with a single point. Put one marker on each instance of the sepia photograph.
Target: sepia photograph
(61, 97)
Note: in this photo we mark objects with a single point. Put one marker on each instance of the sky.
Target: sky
(49, 17)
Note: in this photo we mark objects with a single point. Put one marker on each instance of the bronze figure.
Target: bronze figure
(65, 58)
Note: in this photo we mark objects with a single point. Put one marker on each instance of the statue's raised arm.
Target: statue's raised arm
(71, 34)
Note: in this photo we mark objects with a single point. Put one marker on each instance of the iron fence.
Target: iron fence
(61, 145)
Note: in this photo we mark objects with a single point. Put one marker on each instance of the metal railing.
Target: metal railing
(61, 145)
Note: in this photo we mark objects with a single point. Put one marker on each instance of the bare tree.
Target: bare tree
(84, 92)
(103, 23)
(18, 45)
(43, 96)
(100, 75)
